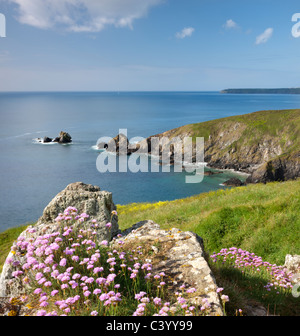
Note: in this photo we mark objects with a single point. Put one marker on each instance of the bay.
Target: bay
(31, 174)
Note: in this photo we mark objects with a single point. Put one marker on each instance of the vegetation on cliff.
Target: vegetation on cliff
(265, 144)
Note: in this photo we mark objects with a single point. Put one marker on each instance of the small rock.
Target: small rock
(47, 140)
(234, 182)
(64, 138)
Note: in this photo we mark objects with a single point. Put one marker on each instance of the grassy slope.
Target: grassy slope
(6, 240)
(263, 219)
(262, 122)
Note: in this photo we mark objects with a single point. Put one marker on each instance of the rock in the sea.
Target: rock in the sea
(180, 255)
(119, 145)
(233, 182)
(86, 198)
(64, 138)
(47, 140)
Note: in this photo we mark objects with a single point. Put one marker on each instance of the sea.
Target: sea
(32, 173)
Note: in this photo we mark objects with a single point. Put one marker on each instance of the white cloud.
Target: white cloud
(230, 24)
(82, 15)
(186, 32)
(265, 36)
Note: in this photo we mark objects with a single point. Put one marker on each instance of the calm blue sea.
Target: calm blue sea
(31, 174)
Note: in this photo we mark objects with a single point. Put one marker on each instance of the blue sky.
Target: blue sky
(148, 45)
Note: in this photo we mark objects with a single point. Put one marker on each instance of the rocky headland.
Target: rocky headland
(265, 144)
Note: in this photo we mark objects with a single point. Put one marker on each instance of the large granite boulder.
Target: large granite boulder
(180, 255)
(87, 199)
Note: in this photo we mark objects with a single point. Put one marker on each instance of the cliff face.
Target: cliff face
(279, 169)
(263, 144)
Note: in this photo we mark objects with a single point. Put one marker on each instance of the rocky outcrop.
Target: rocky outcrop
(180, 255)
(63, 138)
(233, 182)
(87, 199)
(292, 263)
(119, 145)
(263, 144)
(279, 169)
(47, 140)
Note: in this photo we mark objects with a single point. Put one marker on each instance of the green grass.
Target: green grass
(272, 122)
(263, 219)
(6, 240)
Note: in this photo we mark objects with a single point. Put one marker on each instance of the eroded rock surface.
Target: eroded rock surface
(86, 198)
(180, 255)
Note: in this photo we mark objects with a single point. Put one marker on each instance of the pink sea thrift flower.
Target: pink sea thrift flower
(41, 313)
(94, 313)
(157, 301)
(63, 262)
(54, 292)
(225, 298)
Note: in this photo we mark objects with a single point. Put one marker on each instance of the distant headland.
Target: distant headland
(263, 91)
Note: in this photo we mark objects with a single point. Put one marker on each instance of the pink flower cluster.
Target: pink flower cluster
(70, 273)
(279, 277)
(182, 305)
